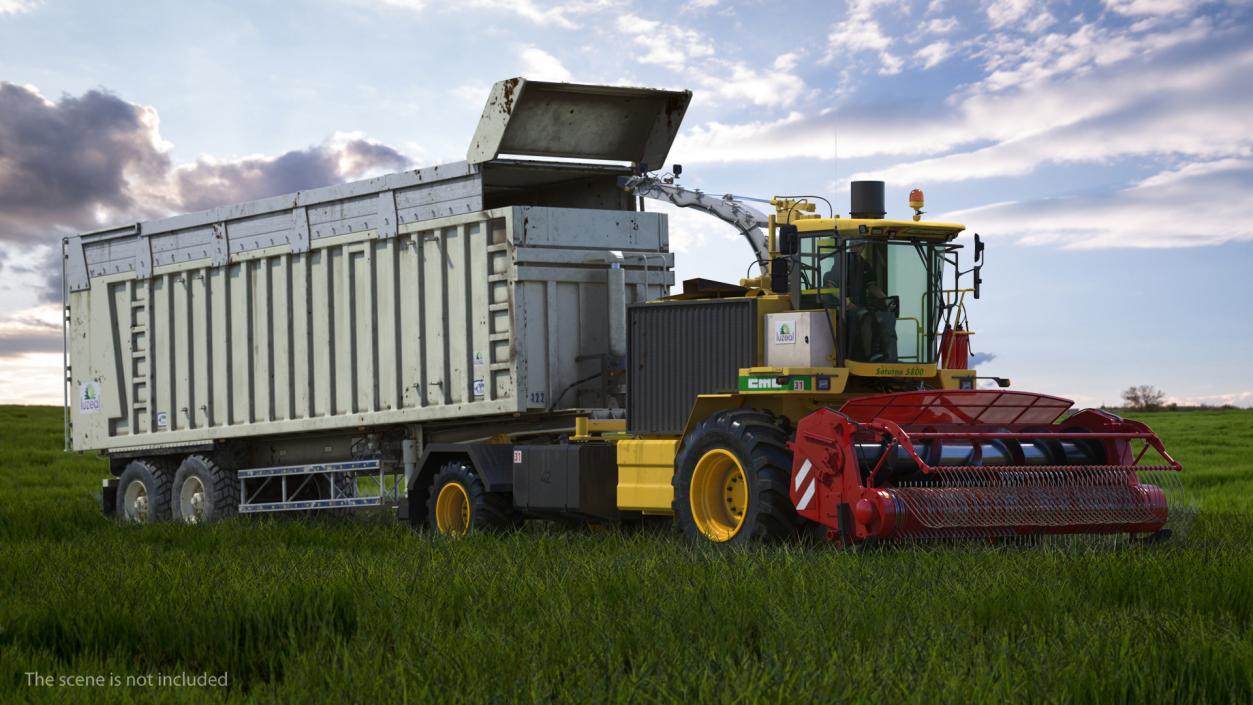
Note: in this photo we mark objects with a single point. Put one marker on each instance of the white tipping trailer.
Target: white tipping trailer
(258, 356)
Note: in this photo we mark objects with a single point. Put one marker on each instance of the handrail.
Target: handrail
(917, 338)
(958, 302)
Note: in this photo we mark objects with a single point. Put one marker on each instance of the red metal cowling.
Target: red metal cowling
(974, 462)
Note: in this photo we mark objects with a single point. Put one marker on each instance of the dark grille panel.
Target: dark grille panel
(678, 350)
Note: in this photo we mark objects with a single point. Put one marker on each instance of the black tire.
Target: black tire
(758, 442)
(489, 511)
(345, 485)
(143, 492)
(203, 491)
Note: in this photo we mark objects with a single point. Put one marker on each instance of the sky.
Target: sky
(1102, 150)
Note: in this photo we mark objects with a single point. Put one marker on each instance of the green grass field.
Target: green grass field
(365, 610)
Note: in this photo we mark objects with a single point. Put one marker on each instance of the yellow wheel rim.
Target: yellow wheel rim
(719, 495)
(452, 509)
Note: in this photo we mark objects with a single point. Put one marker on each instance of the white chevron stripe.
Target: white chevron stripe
(803, 473)
(809, 494)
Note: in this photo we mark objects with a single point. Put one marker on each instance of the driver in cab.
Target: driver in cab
(867, 312)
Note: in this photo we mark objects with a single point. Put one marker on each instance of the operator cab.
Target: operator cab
(879, 282)
(883, 294)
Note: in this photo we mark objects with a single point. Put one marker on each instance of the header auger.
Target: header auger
(957, 463)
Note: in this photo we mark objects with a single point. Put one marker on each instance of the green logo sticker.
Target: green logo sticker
(785, 332)
(776, 384)
(88, 397)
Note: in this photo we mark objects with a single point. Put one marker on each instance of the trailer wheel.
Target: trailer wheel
(731, 480)
(459, 503)
(203, 491)
(143, 492)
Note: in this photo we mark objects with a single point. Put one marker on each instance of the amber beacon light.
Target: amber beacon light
(916, 202)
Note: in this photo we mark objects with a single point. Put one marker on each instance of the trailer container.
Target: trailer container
(488, 313)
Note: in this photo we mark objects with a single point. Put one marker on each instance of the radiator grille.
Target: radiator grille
(680, 349)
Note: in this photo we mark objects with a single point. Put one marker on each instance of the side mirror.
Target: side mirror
(978, 264)
(677, 170)
(788, 240)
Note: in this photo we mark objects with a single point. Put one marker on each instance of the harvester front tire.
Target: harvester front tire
(203, 491)
(459, 503)
(143, 492)
(731, 484)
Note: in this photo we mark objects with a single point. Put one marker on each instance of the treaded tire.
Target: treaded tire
(345, 485)
(759, 443)
(491, 512)
(219, 491)
(155, 476)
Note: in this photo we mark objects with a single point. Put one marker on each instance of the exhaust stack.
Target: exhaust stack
(867, 200)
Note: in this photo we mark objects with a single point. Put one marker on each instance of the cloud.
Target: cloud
(934, 54)
(558, 15)
(940, 25)
(1244, 399)
(1191, 109)
(786, 62)
(980, 358)
(39, 271)
(860, 32)
(33, 378)
(211, 182)
(16, 7)
(415, 5)
(539, 65)
(1150, 7)
(64, 163)
(95, 159)
(36, 330)
(92, 160)
(788, 136)
(666, 45)
(1076, 98)
(1146, 214)
(17, 343)
(1013, 15)
(691, 54)
(1017, 62)
(526, 9)
(736, 81)
(1005, 12)
(472, 93)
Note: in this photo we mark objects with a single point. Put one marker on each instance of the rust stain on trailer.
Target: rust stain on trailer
(509, 87)
(675, 105)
